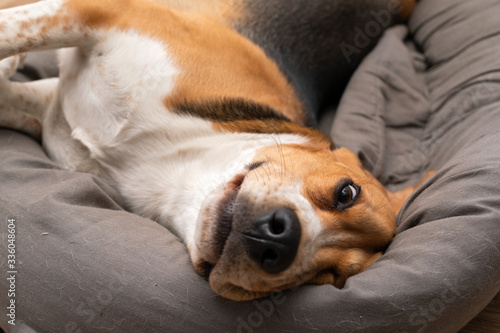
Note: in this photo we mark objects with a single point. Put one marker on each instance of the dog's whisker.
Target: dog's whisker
(261, 172)
(267, 168)
(279, 146)
(382, 203)
(282, 157)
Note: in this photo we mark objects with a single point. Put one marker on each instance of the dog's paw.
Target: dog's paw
(11, 116)
(8, 66)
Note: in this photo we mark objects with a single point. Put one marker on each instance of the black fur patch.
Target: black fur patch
(305, 39)
(228, 110)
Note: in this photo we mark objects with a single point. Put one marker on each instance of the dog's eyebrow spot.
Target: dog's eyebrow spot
(229, 110)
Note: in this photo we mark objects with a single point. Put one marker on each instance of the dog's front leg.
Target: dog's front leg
(48, 24)
(22, 105)
(43, 25)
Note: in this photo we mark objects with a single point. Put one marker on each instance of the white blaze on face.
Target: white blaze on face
(272, 187)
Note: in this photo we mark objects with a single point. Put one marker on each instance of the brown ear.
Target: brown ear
(399, 198)
(346, 156)
(348, 269)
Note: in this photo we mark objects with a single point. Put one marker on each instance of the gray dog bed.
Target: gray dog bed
(428, 97)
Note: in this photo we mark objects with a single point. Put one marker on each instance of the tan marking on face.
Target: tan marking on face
(367, 226)
(335, 244)
(320, 170)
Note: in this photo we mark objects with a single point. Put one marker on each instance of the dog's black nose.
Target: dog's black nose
(274, 240)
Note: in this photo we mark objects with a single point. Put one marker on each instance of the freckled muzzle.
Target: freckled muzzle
(274, 239)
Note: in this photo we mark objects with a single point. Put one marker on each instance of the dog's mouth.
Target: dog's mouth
(217, 222)
(225, 213)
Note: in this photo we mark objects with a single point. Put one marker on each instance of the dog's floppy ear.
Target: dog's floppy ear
(346, 156)
(345, 268)
(399, 198)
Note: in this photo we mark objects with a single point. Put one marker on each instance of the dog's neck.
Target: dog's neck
(170, 182)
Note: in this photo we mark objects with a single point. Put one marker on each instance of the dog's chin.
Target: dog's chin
(252, 283)
(236, 293)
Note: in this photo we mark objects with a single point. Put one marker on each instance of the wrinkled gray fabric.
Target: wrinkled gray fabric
(425, 100)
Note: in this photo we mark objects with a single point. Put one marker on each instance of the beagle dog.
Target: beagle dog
(199, 113)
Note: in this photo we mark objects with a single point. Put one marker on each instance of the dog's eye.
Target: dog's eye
(346, 194)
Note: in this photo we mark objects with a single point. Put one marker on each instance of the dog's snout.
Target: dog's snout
(274, 240)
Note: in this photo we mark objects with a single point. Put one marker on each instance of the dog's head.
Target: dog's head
(297, 214)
